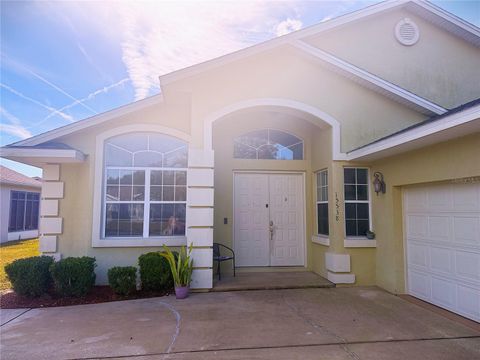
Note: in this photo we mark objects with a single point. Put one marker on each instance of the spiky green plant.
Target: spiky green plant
(182, 266)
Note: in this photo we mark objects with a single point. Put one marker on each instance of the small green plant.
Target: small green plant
(123, 280)
(154, 272)
(180, 266)
(30, 276)
(73, 276)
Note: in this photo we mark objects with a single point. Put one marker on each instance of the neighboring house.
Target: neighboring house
(273, 150)
(19, 204)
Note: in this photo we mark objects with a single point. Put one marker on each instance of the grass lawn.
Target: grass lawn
(15, 250)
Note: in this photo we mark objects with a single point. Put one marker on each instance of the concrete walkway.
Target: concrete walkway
(336, 323)
(271, 281)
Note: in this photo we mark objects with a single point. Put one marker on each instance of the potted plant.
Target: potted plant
(370, 234)
(181, 267)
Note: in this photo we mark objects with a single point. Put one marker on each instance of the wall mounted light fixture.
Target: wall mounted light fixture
(379, 183)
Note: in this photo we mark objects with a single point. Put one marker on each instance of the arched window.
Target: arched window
(268, 144)
(145, 186)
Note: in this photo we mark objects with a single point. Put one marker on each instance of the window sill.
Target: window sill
(140, 242)
(321, 240)
(359, 243)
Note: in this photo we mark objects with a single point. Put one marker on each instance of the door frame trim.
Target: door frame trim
(304, 197)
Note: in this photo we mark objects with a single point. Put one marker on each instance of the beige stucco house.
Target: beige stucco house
(273, 150)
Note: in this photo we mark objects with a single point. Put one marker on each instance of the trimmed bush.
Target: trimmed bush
(73, 276)
(30, 276)
(123, 280)
(155, 272)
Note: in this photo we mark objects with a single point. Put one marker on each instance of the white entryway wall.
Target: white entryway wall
(442, 232)
(269, 222)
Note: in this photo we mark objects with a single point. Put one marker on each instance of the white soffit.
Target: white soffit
(450, 127)
(445, 20)
(371, 81)
(38, 156)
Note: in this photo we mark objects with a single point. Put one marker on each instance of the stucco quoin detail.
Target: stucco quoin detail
(50, 224)
(199, 220)
(284, 105)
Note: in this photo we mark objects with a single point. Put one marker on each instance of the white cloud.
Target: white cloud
(64, 116)
(90, 96)
(14, 128)
(160, 37)
(287, 26)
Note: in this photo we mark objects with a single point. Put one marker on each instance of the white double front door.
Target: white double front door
(269, 219)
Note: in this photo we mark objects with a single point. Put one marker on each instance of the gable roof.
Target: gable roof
(11, 177)
(460, 121)
(423, 8)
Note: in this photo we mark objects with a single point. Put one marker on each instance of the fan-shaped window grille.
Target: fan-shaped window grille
(145, 190)
(268, 144)
(407, 32)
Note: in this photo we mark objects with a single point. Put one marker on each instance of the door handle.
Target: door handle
(270, 229)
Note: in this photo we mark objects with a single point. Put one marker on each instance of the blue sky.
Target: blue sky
(66, 61)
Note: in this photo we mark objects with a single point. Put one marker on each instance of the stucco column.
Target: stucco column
(51, 224)
(199, 226)
(337, 261)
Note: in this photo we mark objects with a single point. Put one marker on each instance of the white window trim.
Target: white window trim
(318, 235)
(98, 180)
(359, 243)
(321, 240)
(369, 202)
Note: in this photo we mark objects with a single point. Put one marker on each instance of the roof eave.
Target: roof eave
(449, 127)
(38, 157)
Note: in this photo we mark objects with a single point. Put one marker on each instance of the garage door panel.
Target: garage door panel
(443, 292)
(467, 229)
(443, 246)
(418, 255)
(466, 197)
(468, 302)
(439, 199)
(417, 226)
(439, 228)
(419, 284)
(417, 201)
(468, 265)
(441, 260)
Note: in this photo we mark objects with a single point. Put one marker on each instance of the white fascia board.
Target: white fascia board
(273, 43)
(92, 121)
(371, 81)
(450, 22)
(38, 156)
(457, 26)
(416, 133)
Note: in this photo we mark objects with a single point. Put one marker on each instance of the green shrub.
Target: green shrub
(73, 276)
(30, 276)
(123, 280)
(155, 272)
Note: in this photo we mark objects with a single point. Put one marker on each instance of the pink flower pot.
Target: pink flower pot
(181, 292)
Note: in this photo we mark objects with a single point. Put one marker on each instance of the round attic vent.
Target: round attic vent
(406, 32)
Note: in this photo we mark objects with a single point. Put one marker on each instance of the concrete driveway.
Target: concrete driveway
(341, 323)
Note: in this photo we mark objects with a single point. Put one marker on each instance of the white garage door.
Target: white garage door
(442, 224)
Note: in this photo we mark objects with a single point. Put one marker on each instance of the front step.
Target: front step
(271, 281)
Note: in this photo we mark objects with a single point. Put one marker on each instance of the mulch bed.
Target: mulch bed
(98, 294)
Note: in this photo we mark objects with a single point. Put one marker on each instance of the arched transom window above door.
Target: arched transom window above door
(145, 186)
(268, 144)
